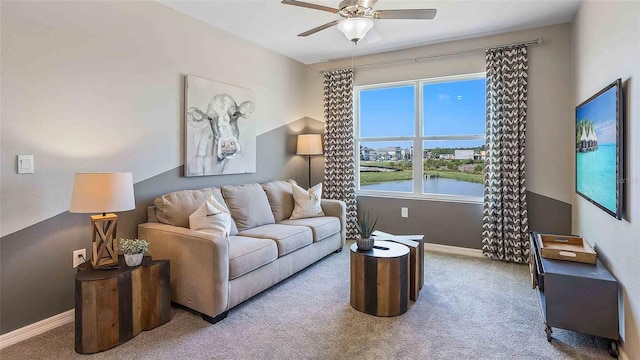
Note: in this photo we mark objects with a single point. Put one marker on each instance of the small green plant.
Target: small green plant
(365, 226)
(133, 246)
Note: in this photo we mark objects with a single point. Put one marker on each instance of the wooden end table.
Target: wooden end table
(415, 243)
(380, 279)
(113, 306)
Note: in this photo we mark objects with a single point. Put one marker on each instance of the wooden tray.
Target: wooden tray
(570, 248)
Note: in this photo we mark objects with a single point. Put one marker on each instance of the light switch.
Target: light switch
(25, 164)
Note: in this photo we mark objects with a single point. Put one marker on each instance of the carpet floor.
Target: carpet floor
(469, 308)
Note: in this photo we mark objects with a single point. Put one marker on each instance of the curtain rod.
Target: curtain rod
(538, 41)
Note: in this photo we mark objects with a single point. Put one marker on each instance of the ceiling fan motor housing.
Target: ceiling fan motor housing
(352, 8)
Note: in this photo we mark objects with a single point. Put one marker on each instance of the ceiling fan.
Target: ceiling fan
(357, 16)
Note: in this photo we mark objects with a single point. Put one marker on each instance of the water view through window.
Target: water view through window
(451, 144)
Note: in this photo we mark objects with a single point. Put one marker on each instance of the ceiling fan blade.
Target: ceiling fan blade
(372, 36)
(319, 28)
(422, 14)
(310, 6)
(367, 3)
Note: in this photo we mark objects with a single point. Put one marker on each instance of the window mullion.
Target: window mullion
(356, 137)
(417, 146)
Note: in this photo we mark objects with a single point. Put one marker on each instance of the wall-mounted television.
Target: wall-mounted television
(599, 149)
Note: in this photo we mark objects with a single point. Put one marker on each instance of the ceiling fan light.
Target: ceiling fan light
(355, 29)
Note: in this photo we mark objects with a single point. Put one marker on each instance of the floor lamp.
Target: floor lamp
(309, 145)
(103, 193)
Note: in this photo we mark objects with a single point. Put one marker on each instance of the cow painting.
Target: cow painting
(214, 143)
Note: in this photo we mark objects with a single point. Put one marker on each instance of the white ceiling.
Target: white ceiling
(273, 25)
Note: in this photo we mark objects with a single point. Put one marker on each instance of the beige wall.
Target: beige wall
(549, 118)
(98, 86)
(606, 46)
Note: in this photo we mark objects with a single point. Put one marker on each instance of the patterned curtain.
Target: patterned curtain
(505, 229)
(339, 179)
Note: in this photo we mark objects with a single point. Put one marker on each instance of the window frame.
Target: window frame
(417, 139)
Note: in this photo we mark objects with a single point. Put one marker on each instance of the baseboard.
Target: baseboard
(623, 355)
(456, 250)
(38, 328)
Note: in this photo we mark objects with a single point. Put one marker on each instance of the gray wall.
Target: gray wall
(459, 224)
(36, 276)
(606, 46)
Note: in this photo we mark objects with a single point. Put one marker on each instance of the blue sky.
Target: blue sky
(450, 108)
(602, 111)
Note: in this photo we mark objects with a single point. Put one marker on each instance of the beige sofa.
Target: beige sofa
(210, 273)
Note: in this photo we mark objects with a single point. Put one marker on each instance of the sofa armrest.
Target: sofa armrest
(338, 209)
(199, 265)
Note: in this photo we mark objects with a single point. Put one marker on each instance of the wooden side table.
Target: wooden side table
(380, 279)
(415, 243)
(113, 306)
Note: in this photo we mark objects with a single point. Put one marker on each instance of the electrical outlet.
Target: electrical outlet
(404, 212)
(79, 256)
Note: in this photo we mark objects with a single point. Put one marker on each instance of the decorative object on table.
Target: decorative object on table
(220, 133)
(103, 193)
(309, 145)
(133, 249)
(366, 227)
(600, 149)
(563, 247)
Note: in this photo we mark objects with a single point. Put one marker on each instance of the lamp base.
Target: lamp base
(105, 249)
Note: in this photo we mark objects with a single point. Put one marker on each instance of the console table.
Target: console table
(113, 306)
(576, 296)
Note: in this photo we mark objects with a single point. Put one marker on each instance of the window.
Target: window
(443, 118)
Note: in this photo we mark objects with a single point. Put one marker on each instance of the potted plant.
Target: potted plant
(133, 250)
(365, 227)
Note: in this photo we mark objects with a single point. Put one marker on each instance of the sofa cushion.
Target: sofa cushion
(211, 215)
(176, 207)
(288, 238)
(322, 227)
(247, 254)
(307, 202)
(248, 205)
(280, 198)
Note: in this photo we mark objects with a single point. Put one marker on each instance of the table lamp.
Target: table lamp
(309, 145)
(103, 193)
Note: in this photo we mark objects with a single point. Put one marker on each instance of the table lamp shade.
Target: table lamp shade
(102, 193)
(309, 144)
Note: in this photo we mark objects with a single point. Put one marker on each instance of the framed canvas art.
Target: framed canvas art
(219, 128)
(599, 149)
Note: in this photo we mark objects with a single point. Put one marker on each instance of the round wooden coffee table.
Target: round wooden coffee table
(380, 279)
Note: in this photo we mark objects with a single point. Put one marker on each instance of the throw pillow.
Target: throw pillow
(280, 198)
(306, 202)
(211, 215)
(248, 205)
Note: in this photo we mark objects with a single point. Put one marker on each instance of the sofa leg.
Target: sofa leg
(337, 251)
(214, 320)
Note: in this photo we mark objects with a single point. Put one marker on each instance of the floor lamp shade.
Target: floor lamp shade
(103, 193)
(309, 145)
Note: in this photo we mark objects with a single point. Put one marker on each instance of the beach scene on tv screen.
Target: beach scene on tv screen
(596, 149)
